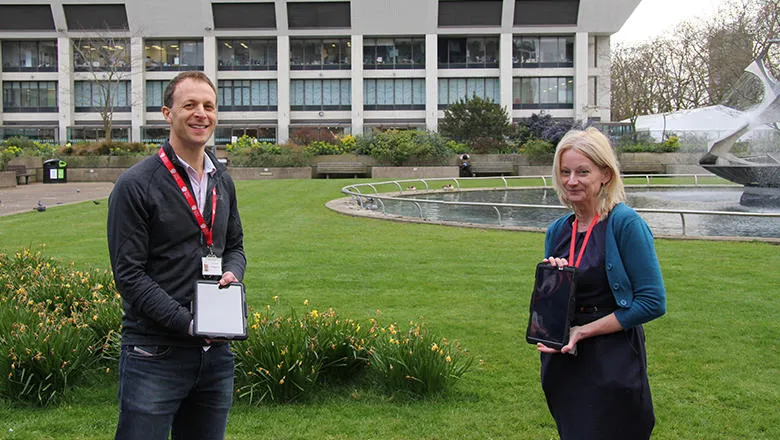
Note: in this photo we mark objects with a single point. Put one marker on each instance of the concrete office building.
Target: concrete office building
(284, 65)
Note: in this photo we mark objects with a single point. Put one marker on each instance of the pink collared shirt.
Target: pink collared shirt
(199, 185)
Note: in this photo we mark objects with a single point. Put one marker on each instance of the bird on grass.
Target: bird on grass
(40, 207)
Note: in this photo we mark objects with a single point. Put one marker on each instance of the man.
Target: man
(173, 220)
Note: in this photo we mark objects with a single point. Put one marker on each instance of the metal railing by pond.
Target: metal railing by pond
(406, 192)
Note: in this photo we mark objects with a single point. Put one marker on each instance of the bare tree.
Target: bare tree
(697, 64)
(107, 59)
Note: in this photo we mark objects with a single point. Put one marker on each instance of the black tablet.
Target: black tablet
(219, 312)
(552, 306)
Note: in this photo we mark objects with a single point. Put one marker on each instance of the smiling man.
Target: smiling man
(173, 220)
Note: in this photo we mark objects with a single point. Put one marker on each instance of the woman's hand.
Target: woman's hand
(575, 334)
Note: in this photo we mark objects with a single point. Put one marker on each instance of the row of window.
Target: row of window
(305, 94)
(305, 54)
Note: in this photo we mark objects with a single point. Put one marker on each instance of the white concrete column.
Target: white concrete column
(210, 57)
(1, 89)
(210, 64)
(580, 75)
(431, 82)
(283, 88)
(64, 86)
(137, 88)
(505, 72)
(357, 85)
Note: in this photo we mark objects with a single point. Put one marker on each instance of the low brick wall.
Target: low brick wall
(247, 173)
(534, 170)
(413, 172)
(7, 179)
(94, 174)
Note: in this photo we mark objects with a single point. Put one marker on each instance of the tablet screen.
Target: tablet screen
(219, 312)
(550, 306)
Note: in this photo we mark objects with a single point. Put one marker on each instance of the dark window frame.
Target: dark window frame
(231, 43)
(342, 43)
(97, 108)
(39, 90)
(157, 65)
(322, 106)
(113, 18)
(26, 18)
(394, 105)
(567, 41)
(415, 61)
(542, 105)
(319, 15)
(40, 67)
(244, 15)
(222, 86)
(445, 46)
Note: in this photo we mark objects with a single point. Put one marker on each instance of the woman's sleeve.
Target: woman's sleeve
(637, 251)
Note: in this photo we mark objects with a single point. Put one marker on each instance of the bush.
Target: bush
(287, 357)
(480, 123)
(543, 126)
(321, 148)
(55, 323)
(247, 151)
(418, 362)
(30, 147)
(398, 148)
(308, 135)
(108, 149)
(539, 151)
(8, 153)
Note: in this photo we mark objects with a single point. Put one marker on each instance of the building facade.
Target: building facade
(286, 65)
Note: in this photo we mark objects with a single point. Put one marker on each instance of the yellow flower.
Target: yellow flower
(434, 347)
(448, 359)
(281, 381)
(306, 302)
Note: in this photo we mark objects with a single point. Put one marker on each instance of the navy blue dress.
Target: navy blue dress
(601, 393)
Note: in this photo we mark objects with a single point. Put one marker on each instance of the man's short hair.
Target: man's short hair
(194, 75)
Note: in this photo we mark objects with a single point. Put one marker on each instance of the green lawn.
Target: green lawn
(713, 359)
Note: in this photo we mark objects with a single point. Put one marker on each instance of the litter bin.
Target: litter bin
(55, 171)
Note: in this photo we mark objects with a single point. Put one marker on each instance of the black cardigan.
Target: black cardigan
(156, 246)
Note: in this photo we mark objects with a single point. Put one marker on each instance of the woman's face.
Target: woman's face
(581, 178)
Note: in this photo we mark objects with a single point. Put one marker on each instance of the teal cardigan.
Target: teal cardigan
(631, 264)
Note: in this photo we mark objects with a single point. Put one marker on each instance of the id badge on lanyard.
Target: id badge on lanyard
(211, 264)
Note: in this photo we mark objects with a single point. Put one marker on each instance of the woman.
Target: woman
(602, 391)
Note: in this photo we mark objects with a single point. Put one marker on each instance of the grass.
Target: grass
(713, 359)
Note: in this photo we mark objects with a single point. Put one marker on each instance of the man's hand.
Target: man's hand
(227, 278)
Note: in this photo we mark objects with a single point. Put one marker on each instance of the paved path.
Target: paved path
(24, 198)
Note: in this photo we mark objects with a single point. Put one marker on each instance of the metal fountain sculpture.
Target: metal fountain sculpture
(757, 96)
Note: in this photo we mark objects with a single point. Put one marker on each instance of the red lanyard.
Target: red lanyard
(584, 242)
(191, 201)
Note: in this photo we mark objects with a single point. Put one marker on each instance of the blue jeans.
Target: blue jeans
(183, 391)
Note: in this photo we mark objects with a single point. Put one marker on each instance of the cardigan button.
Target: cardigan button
(609, 266)
(623, 302)
(616, 286)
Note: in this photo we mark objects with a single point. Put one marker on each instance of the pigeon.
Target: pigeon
(96, 202)
(40, 207)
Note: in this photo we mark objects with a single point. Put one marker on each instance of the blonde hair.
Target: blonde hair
(595, 146)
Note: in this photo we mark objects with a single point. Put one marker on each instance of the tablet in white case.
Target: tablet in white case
(219, 313)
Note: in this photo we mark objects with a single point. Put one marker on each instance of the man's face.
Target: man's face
(193, 115)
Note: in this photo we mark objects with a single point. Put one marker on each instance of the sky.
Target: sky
(652, 17)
